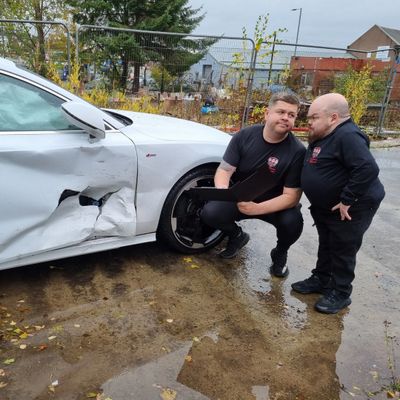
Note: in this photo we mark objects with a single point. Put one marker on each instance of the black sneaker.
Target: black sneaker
(235, 244)
(279, 267)
(310, 285)
(332, 302)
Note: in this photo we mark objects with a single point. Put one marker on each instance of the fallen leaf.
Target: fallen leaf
(38, 327)
(168, 394)
(3, 385)
(22, 346)
(169, 320)
(55, 383)
(2, 372)
(21, 301)
(188, 359)
(151, 303)
(187, 259)
(193, 266)
(14, 340)
(13, 323)
(8, 315)
(374, 374)
(77, 326)
(17, 331)
(51, 389)
(91, 395)
(51, 337)
(57, 329)
(390, 394)
(23, 335)
(196, 339)
(42, 347)
(9, 361)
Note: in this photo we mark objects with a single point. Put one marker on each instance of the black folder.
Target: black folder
(247, 190)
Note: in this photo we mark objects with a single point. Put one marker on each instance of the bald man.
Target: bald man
(340, 179)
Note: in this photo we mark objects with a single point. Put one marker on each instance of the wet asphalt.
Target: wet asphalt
(145, 323)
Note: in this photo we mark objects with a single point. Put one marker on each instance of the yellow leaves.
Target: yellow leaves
(196, 339)
(22, 346)
(23, 335)
(188, 359)
(188, 260)
(9, 361)
(168, 394)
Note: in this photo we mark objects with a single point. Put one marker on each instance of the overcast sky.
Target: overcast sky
(334, 23)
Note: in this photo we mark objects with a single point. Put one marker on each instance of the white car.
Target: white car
(76, 179)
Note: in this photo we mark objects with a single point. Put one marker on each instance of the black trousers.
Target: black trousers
(339, 242)
(223, 214)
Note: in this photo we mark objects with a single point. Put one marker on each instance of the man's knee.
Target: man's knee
(218, 213)
(291, 218)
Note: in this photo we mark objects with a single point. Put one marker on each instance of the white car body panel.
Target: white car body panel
(134, 166)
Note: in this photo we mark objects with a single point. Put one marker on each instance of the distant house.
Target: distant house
(317, 74)
(377, 38)
(225, 67)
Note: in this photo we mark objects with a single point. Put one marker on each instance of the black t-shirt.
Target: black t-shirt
(340, 168)
(248, 150)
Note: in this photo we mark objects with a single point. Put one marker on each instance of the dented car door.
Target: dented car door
(58, 188)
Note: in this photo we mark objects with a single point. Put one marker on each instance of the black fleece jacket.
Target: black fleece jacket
(341, 168)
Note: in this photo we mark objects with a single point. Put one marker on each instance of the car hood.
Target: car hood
(173, 129)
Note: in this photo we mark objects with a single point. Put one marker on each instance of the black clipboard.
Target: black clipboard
(247, 190)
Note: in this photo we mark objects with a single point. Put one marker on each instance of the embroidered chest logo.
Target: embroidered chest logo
(272, 163)
(314, 156)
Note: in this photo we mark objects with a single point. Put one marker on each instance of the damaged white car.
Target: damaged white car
(76, 179)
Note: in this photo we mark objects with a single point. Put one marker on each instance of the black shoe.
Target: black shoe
(310, 285)
(235, 244)
(333, 302)
(279, 267)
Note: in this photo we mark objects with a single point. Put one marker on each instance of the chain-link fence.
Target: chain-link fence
(367, 79)
(203, 78)
(220, 81)
(36, 44)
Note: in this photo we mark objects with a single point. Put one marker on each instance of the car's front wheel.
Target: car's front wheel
(180, 224)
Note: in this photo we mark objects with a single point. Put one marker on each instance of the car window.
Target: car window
(25, 107)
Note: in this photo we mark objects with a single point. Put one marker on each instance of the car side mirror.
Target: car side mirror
(86, 117)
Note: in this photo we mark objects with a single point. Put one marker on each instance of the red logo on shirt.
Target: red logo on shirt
(272, 163)
(314, 157)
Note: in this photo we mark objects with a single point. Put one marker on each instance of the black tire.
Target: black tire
(180, 225)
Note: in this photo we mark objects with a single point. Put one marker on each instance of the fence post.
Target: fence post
(388, 91)
(272, 60)
(249, 90)
(27, 21)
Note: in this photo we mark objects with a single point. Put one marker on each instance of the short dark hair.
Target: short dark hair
(287, 97)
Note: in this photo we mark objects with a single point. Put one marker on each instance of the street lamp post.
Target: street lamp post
(298, 28)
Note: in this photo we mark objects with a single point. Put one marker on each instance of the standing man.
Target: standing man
(340, 178)
(282, 153)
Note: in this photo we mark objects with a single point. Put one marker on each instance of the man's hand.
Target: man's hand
(344, 211)
(249, 207)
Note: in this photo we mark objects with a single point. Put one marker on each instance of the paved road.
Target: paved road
(143, 323)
